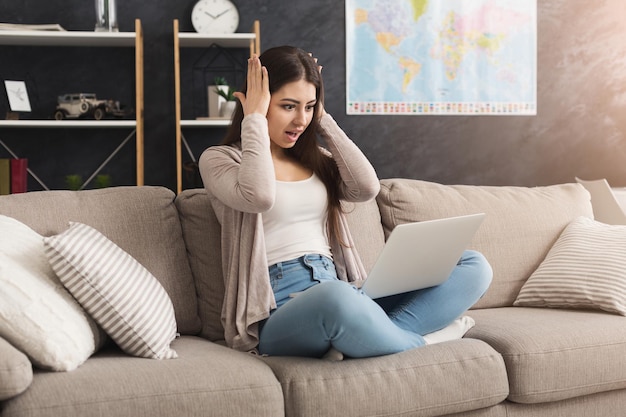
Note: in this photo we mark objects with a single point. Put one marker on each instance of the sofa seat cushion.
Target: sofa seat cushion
(552, 354)
(603, 404)
(431, 380)
(521, 226)
(143, 221)
(206, 379)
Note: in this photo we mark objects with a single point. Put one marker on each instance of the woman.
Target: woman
(287, 253)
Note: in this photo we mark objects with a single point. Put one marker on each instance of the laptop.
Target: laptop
(420, 255)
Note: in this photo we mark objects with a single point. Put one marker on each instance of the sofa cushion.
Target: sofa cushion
(586, 268)
(521, 226)
(143, 221)
(16, 372)
(202, 235)
(37, 314)
(206, 379)
(604, 404)
(201, 231)
(117, 291)
(431, 380)
(366, 229)
(554, 354)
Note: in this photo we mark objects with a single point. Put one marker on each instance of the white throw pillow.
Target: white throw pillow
(585, 269)
(37, 314)
(119, 293)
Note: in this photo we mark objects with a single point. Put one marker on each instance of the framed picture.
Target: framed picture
(18, 96)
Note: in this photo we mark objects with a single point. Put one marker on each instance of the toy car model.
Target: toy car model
(73, 106)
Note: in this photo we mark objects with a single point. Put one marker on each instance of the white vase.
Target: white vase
(227, 108)
(215, 100)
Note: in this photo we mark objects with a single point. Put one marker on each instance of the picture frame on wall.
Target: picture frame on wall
(17, 95)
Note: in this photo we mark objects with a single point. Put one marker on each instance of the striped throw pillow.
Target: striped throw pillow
(585, 269)
(122, 296)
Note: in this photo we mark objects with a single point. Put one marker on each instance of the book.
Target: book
(19, 175)
(18, 26)
(5, 176)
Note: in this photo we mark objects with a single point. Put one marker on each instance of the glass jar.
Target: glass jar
(106, 16)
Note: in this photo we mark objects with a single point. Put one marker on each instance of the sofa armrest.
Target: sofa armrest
(16, 371)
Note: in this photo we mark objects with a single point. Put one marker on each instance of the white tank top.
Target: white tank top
(296, 224)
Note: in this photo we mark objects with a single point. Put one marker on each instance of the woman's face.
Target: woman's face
(290, 113)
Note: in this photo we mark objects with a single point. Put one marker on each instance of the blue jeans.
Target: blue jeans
(332, 313)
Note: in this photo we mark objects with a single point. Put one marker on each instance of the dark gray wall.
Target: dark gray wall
(580, 128)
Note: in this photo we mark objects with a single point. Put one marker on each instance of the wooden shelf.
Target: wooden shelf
(66, 38)
(58, 124)
(205, 123)
(195, 40)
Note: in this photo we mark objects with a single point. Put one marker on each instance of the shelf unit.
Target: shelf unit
(88, 39)
(195, 40)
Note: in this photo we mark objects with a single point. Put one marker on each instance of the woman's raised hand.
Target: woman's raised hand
(319, 68)
(257, 97)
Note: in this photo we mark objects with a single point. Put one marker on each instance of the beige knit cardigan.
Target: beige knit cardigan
(241, 185)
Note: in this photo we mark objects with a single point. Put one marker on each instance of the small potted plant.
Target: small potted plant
(221, 98)
(74, 182)
(227, 107)
(103, 181)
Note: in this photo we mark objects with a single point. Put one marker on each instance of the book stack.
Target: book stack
(13, 175)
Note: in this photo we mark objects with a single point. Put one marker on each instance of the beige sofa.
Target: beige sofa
(516, 361)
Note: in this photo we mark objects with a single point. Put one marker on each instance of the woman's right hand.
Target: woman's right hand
(257, 97)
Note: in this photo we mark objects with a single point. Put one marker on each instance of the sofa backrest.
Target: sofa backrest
(141, 220)
(201, 231)
(521, 226)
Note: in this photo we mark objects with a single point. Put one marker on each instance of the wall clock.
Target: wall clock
(215, 17)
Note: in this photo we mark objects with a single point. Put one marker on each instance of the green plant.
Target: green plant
(103, 181)
(73, 182)
(220, 81)
(229, 93)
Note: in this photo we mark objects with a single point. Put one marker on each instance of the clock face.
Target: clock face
(215, 16)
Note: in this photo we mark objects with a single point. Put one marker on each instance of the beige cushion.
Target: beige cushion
(366, 230)
(521, 226)
(604, 404)
(442, 379)
(201, 232)
(16, 372)
(586, 268)
(37, 314)
(554, 354)
(141, 220)
(118, 292)
(206, 380)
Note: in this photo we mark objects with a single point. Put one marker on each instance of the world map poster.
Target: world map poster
(441, 57)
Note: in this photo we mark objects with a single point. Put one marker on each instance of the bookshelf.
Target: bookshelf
(250, 40)
(87, 39)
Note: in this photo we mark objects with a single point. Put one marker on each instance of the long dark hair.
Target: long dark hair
(286, 64)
